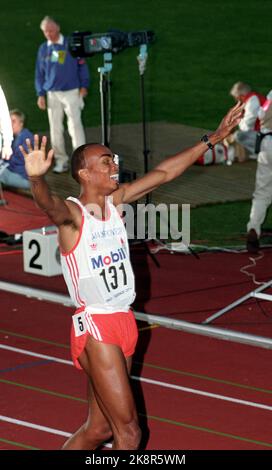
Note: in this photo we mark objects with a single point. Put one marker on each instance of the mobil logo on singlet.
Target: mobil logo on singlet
(102, 261)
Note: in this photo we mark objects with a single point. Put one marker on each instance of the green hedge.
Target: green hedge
(201, 49)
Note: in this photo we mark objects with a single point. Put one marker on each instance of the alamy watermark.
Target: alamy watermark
(150, 221)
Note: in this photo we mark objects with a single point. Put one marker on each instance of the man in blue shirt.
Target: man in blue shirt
(12, 171)
(61, 83)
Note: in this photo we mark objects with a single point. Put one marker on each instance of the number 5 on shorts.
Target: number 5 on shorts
(79, 322)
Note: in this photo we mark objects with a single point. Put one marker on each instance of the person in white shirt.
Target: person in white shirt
(262, 196)
(6, 132)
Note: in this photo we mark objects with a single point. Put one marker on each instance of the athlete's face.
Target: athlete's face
(102, 169)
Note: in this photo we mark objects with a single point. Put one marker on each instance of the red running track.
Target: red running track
(51, 394)
(207, 394)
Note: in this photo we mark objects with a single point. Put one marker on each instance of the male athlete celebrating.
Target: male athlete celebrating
(98, 273)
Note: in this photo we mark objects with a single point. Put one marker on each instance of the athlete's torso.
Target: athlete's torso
(98, 271)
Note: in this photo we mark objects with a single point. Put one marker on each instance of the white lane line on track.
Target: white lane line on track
(151, 381)
(19, 422)
(31, 353)
(38, 427)
(203, 393)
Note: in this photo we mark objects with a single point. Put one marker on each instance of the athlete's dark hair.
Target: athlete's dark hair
(78, 160)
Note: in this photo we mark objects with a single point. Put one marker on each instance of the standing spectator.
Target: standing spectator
(262, 196)
(12, 172)
(6, 134)
(249, 124)
(61, 83)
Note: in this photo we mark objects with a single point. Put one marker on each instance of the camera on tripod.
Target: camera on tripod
(86, 44)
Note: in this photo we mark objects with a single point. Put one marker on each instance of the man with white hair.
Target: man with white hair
(262, 196)
(249, 124)
(61, 83)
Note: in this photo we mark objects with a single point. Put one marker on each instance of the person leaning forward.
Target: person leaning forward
(244, 138)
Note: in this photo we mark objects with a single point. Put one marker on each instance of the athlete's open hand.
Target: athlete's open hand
(37, 162)
(231, 120)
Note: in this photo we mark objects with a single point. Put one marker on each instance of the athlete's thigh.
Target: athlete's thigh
(96, 417)
(108, 370)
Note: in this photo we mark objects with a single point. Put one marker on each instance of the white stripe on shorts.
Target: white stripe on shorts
(94, 329)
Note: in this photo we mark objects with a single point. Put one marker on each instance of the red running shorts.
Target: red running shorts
(118, 328)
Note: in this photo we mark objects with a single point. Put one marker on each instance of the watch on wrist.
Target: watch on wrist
(206, 140)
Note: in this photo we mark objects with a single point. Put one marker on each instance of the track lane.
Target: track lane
(176, 406)
(222, 360)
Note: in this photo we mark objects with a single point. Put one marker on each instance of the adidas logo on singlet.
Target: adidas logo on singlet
(113, 257)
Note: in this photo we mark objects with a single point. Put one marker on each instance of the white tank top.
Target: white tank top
(97, 271)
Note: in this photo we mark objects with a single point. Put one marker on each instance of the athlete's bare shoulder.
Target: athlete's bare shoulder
(69, 230)
(75, 214)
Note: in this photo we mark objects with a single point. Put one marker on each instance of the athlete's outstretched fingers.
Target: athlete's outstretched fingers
(50, 155)
(29, 146)
(36, 142)
(22, 149)
(43, 143)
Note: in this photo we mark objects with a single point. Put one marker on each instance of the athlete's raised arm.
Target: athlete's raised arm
(174, 166)
(37, 163)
